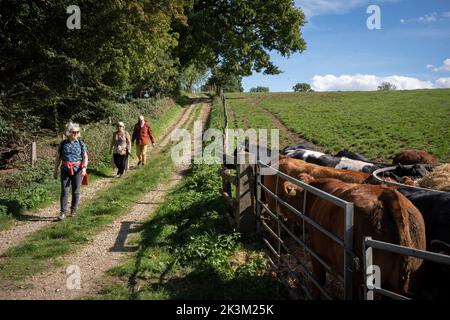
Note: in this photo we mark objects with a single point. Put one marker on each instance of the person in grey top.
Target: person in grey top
(73, 159)
(121, 145)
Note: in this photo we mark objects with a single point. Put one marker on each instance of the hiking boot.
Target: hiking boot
(62, 216)
(73, 214)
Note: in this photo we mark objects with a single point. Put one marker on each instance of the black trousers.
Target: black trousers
(120, 161)
(68, 181)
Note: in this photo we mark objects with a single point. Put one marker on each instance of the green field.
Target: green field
(375, 124)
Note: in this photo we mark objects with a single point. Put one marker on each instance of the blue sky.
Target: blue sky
(410, 50)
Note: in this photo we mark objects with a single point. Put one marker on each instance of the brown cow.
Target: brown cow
(295, 167)
(411, 156)
(380, 212)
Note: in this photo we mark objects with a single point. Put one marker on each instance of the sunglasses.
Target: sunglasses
(74, 131)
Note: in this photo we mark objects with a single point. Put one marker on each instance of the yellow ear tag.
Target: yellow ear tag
(292, 192)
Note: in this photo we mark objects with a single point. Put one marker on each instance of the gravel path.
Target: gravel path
(105, 250)
(43, 217)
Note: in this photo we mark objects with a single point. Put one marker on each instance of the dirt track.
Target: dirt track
(107, 248)
(43, 217)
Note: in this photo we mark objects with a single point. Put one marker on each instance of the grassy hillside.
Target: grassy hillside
(376, 124)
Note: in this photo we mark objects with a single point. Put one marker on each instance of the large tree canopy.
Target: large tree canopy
(50, 74)
(239, 34)
(59, 74)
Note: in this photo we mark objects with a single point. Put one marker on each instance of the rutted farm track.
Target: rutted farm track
(271, 121)
(43, 217)
(108, 247)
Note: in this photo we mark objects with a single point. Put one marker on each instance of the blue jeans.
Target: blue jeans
(66, 182)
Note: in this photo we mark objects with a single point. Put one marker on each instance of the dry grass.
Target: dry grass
(438, 179)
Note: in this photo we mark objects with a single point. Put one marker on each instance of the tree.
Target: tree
(238, 35)
(260, 89)
(387, 86)
(57, 74)
(302, 87)
(228, 81)
(193, 75)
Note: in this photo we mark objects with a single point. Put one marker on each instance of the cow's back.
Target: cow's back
(379, 212)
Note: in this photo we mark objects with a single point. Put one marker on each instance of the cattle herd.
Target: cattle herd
(412, 217)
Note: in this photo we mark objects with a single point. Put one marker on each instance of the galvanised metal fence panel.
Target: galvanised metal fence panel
(346, 243)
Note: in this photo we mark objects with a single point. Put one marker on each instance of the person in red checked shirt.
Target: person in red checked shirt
(141, 134)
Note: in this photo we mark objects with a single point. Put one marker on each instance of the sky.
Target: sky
(411, 50)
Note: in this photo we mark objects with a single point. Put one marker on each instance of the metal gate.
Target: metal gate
(279, 261)
(369, 244)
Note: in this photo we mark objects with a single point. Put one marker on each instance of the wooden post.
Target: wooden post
(33, 154)
(245, 211)
(258, 197)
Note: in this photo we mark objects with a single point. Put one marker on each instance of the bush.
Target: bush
(387, 86)
(29, 175)
(260, 89)
(209, 251)
(3, 210)
(302, 87)
(30, 198)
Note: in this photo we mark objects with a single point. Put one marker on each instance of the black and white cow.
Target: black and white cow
(327, 160)
(352, 155)
(290, 149)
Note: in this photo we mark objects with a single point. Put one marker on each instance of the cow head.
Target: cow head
(291, 191)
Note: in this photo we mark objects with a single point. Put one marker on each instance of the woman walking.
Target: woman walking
(121, 144)
(73, 159)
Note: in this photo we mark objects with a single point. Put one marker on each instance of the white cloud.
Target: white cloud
(443, 83)
(445, 66)
(364, 82)
(319, 7)
(432, 17)
(323, 7)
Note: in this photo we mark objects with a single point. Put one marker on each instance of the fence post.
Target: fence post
(33, 153)
(245, 213)
(258, 197)
(348, 251)
(368, 261)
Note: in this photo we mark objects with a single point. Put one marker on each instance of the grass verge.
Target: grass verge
(188, 251)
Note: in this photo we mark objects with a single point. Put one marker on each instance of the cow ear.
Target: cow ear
(306, 178)
(440, 246)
